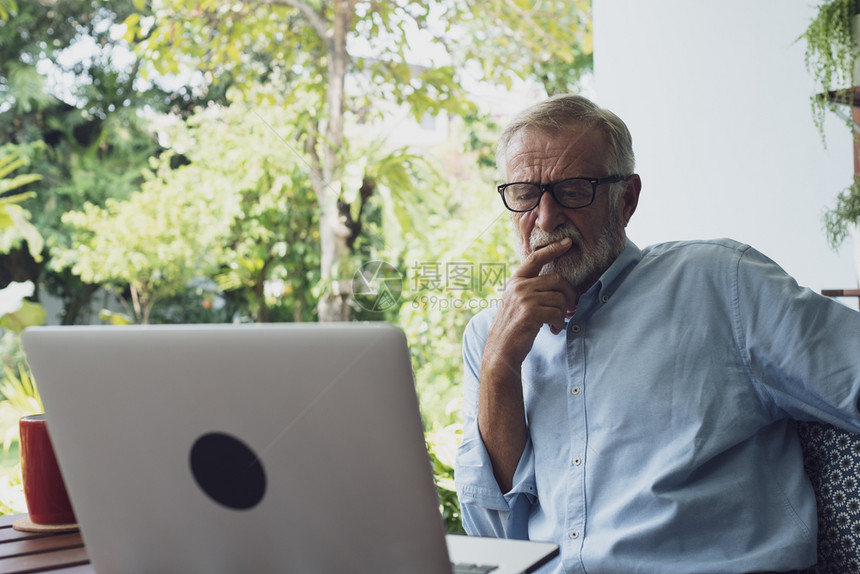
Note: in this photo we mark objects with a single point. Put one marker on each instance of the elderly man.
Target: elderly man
(637, 406)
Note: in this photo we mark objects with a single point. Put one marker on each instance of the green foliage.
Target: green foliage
(7, 9)
(38, 33)
(16, 313)
(370, 42)
(238, 209)
(18, 394)
(88, 135)
(111, 318)
(247, 155)
(26, 87)
(831, 55)
(15, 226)
(831, 52)
(12, 492)
(155, 242)
(404, 188)
(442, 448)
(19, 398)
(839, 220)
(455, 267)
(549, 41)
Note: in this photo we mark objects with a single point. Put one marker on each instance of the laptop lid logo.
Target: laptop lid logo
(228, 471)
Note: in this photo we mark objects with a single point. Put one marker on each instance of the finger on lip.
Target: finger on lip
(558, 245)
(546, 242)
(535, 261)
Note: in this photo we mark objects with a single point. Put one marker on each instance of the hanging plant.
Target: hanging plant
(830, 55)
(838, 221)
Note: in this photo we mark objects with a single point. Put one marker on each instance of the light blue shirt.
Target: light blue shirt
(660, 421)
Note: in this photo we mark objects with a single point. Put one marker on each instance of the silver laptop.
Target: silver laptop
(239, 448)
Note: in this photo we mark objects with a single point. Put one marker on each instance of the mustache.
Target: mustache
(540, 238)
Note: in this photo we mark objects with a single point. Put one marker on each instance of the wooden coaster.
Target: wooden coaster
(24, 524)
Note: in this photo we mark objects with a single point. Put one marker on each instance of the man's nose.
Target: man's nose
(549, 213)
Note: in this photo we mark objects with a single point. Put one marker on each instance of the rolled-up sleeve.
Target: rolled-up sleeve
(486, 510)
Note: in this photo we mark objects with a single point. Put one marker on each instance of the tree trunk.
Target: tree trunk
(334, 302)
(259, 289)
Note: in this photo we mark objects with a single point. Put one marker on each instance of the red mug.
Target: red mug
(44, 489)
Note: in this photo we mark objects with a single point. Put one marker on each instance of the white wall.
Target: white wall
(716, 95)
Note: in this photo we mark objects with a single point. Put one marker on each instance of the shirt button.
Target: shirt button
(577, 461)
(575, 390)
(605, 298)
(573, 534)
(576, 329)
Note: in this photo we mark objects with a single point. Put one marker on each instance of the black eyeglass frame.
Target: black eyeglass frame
(550, 187)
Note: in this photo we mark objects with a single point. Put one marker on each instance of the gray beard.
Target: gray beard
(580, 266)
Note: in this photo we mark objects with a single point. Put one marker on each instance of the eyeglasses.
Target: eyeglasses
(572, 193)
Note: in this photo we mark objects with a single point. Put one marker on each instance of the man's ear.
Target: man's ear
(630, 197)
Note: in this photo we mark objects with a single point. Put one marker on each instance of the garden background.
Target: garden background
(190, 161)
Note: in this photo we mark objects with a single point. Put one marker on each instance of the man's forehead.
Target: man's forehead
(556, 150)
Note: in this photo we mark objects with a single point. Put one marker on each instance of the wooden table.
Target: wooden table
(22, 552)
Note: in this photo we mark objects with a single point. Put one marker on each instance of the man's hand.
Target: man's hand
(530, 301)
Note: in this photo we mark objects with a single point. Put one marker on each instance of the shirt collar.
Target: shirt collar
(612, 278)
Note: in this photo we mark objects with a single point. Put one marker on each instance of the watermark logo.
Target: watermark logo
(458, 276)
(377, 286)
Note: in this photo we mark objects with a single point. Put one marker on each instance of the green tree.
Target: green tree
(153, 243)
(272, 220)
(269, 219)
(71, 96)
(304, 51)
